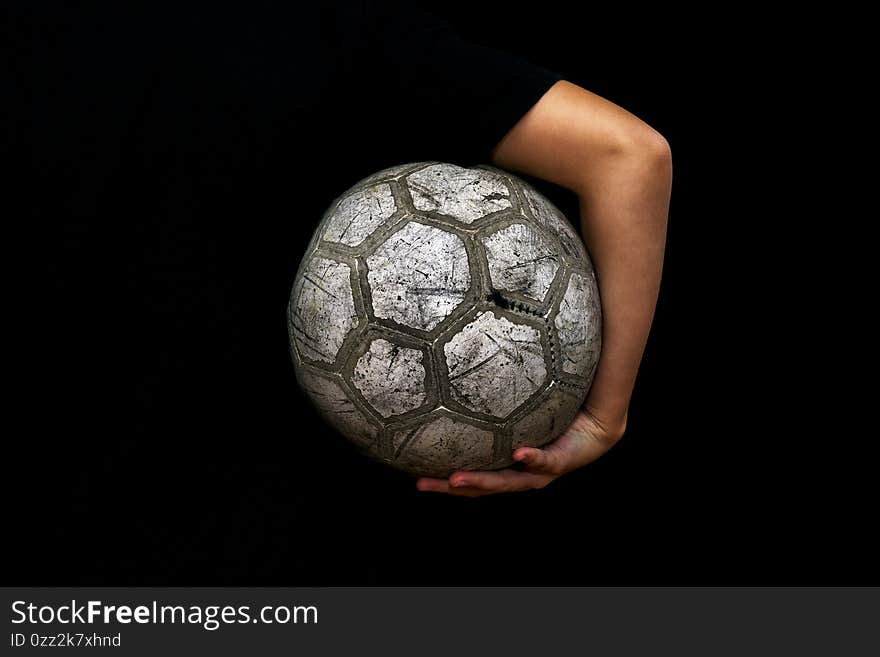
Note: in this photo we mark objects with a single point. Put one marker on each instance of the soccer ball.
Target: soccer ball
(444, 316)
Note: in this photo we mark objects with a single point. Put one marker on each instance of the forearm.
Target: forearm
(621, 171)
(623, 220)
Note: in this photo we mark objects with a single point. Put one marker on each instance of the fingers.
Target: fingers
(501, 481)
(541, 467)
(429, 485)
(475, 484)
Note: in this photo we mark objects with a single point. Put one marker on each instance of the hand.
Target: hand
(583, 442)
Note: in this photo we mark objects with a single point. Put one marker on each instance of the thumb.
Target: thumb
(544, 461)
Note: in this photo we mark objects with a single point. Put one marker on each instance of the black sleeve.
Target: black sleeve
(456, 99)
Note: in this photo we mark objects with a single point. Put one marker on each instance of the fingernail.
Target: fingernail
(458, 483)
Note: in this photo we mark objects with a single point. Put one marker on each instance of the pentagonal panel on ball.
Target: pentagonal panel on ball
(322, 309)
(521, 261)
(418, 276)
(462, 194)
(334, 404)
(441, 446)
(494, 365)
(578, 325)
(359, 214)
(391, 377)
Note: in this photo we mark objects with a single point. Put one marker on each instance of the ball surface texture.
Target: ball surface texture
(444, 316)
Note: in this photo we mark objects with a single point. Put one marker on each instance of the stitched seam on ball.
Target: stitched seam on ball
(498, 299)
(552, 350)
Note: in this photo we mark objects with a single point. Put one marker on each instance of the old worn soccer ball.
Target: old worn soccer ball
(444, 316)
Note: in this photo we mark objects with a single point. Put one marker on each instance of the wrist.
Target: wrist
(612, 421)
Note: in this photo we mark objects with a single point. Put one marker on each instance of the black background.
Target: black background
(731, 470)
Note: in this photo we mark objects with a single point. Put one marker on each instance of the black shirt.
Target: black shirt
(171, 163)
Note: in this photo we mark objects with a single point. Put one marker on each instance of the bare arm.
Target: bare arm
(621, 171)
